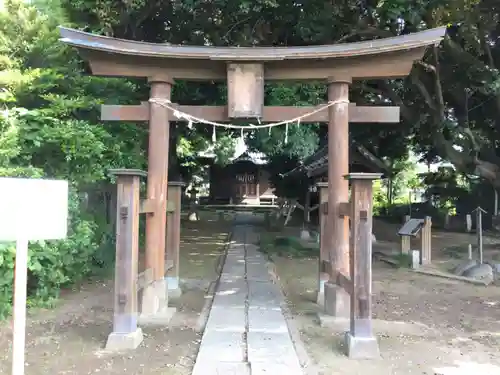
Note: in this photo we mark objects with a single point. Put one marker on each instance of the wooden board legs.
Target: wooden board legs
(360, 341)
(352, 292)
(173, 238)
(126, 334)
(323, 242)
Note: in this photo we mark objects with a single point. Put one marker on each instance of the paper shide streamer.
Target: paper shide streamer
(192, 119)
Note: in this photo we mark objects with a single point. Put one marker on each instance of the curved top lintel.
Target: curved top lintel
(87, 41)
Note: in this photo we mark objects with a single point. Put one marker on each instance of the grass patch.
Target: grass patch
(287, 246)
(402, 260)
(457, 251)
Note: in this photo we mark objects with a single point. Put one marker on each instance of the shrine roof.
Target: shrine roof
(93, 42)
(241, 153)
(317, 164)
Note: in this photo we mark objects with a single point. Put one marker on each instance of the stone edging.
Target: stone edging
(304, 358)
(450, 276)
(210, 295)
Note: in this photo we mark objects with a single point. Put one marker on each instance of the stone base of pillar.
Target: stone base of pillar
(124, 341)
(193, 216)
(322, 280)
(338, 324)
(161, 318)
(337, 301)
(305, 235)
(155, 310)
(174, 289)
(361, 347)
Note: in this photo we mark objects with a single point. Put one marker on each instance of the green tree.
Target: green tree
(49, 127)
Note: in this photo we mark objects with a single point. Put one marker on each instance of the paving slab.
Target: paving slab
(271, 348)
(222, 346)
(266, 321)
(231, 278)
(246, 332)
(234, 269)
(229, 300)
(227, 320)
(258, 275)
(236, 255)
(222, 368)
(263, 294)
(233, 286)
(262, 368)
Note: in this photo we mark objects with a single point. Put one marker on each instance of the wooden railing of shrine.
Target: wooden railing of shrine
(361, 343)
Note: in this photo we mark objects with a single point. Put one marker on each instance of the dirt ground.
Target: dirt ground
(422, 322)
(69, 339)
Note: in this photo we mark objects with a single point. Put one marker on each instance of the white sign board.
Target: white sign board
(33, 209)
(30, 209)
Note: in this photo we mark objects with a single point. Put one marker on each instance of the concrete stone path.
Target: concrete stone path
(246, 332)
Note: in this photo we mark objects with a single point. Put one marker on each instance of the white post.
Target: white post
(20, 291)
(495, 210)
(479, 230)
(468, 223)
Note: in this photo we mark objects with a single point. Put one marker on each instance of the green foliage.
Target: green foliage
(379, 198)
(49, 127)
(402, 260)
(53, 264)
(444, 188)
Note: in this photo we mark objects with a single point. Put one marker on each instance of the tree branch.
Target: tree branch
(426, 66)
(489, 58)
(425, 93)
(437, 82)
(388, 90)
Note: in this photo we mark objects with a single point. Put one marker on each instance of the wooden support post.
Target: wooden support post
(267, 220)
(406, 240)
(468, 223)
(479, 231)
(174, 237)
(323, 239)
(426, 238)
(155, 296)
(360, 341)
(307, 207)
(338, 191)
(126, 334)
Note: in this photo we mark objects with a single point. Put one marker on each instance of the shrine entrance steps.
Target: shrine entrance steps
(246, 332)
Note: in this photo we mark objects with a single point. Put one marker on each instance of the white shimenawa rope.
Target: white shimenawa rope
(193, 119)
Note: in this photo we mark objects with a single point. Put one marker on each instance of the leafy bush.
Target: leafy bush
(55, 264)
(49, 127)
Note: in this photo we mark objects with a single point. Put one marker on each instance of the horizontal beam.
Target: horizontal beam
(147, 206)
(357, 114)
(391, 65)
(345, 283)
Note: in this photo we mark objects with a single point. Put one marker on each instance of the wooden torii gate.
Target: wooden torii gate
(245, 69)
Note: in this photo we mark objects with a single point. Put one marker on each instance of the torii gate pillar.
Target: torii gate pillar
(336, 299)
(155, 296)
